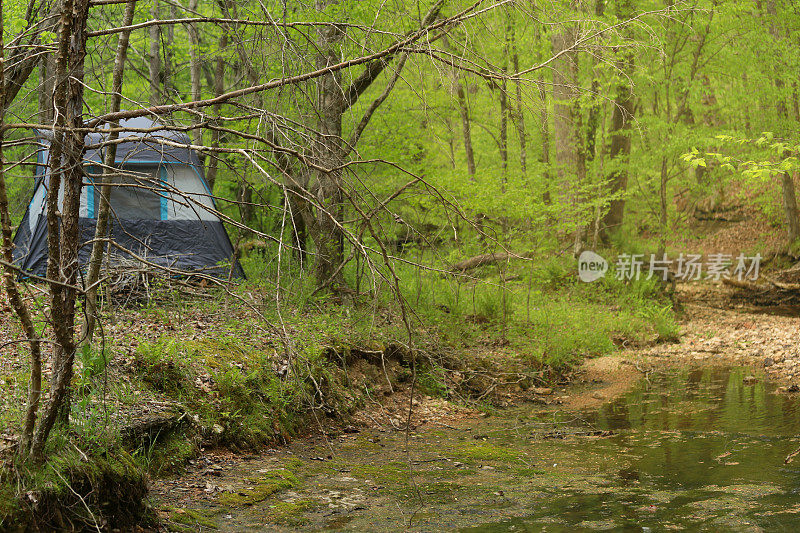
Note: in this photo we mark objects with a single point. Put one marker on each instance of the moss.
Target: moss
(394, 473)
(294, 464)
(362, 443)
(72, 488)
(529, 472)
(10, 510)
(189, 520)
(168, 455)
(289, 513)
(441, 491)
(271, 483)
(490, 452)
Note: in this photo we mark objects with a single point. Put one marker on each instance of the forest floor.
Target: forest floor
(228, 491)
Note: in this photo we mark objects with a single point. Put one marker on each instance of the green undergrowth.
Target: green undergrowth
(234, 390)
(541, 311)
(74, 490)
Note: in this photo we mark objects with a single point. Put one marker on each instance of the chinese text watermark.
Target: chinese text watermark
(685, 267)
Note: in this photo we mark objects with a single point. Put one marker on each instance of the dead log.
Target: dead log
(770, 293)
(746, 285)
(487, 259)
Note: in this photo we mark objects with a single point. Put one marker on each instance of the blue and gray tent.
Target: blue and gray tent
(161, 207)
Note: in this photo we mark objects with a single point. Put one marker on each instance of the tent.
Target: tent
(161, 208)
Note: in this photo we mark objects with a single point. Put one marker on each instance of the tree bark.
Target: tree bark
(195, 68)
(66, 155)
(101, 228)
(466, 128)
(787, 182)
(580, 172)
(332, 101)
(154, 65)
(219, 88)
(25, 56)
(594, 95)
(504, 107)
(328, 232)
(790, 206)
(46, 89)
(664, 214)
(564, 71)
(620, 149)
(544, 119)
(519, 111)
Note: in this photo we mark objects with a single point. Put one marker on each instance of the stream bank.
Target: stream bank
(687, 435)
(691, 448)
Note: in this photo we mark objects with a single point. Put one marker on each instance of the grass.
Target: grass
(189, 520)
(248, 375)
(543, 312)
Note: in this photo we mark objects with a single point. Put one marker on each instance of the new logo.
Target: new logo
(591, 266)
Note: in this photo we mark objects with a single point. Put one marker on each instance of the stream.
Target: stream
(699, 449)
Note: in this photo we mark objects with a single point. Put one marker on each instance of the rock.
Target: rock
(793, 388)
(750, 380)
(768, 361)
(544, 391)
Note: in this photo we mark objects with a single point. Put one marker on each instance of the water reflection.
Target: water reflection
(705, 450)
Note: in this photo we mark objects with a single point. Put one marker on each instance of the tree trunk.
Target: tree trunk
(787, 182)
(9, 278)
(662, 196)
(790, 206)
(620, 149)
(219, 88)
(46, 68)
(544, 119)
(168, 83)
(594, 95)
(519, 112)
(154, 66)
(580, 172)
(504, 133)
(195, 68)
(66, 155)
(795, 102)
(466, 129)
(101, 228)
(504, 108)
(564, 70)
(328, 232)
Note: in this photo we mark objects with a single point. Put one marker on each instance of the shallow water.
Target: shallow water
(698, 449)
(704, 449)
